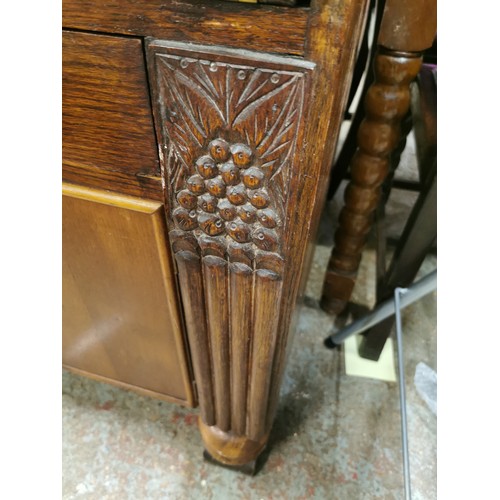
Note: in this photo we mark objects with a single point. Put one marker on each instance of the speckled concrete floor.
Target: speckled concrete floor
(335, 436)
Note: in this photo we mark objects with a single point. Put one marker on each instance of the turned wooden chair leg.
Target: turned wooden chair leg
(408, 27)
(386, 103)
(420, 230)
(363, 64)
(380, 221)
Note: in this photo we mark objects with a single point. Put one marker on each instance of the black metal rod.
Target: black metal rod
(402, 392)
(386, 309)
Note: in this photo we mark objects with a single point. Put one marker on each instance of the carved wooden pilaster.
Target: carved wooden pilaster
(230, 124)
(386, 103)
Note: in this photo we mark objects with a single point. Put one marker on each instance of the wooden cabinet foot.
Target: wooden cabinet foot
(250, 469)
(227, 448)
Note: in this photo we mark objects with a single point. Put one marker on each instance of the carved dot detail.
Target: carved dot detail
(268, 218)
(195, 184)
(219, 150)
(187, 199)
(253, 178)
(208, 203)
(216, 187)
(213, 67)
(172, 115)
(206, 167)
(260, 199)
(242, 155)
(241, 75)
(230, 174)
(275, 78)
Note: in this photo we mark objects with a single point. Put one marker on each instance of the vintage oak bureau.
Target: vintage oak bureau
(197, 142)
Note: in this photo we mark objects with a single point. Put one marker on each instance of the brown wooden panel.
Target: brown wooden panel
(107, 120)
(144, 186)
(266, 28)
(121, 320)
(408, 25)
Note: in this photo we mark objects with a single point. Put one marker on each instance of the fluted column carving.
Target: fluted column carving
(386, 103)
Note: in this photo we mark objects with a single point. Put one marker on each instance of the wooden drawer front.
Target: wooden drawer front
(107, 120)
(120, 316)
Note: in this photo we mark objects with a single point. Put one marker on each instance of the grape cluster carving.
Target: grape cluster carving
(227, 196)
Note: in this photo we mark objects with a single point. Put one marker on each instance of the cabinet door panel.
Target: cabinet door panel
(121, 320)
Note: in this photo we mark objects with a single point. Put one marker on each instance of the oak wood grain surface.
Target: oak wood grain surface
(260, 27)
(107, 120)
(130, 184)
(121, 320)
